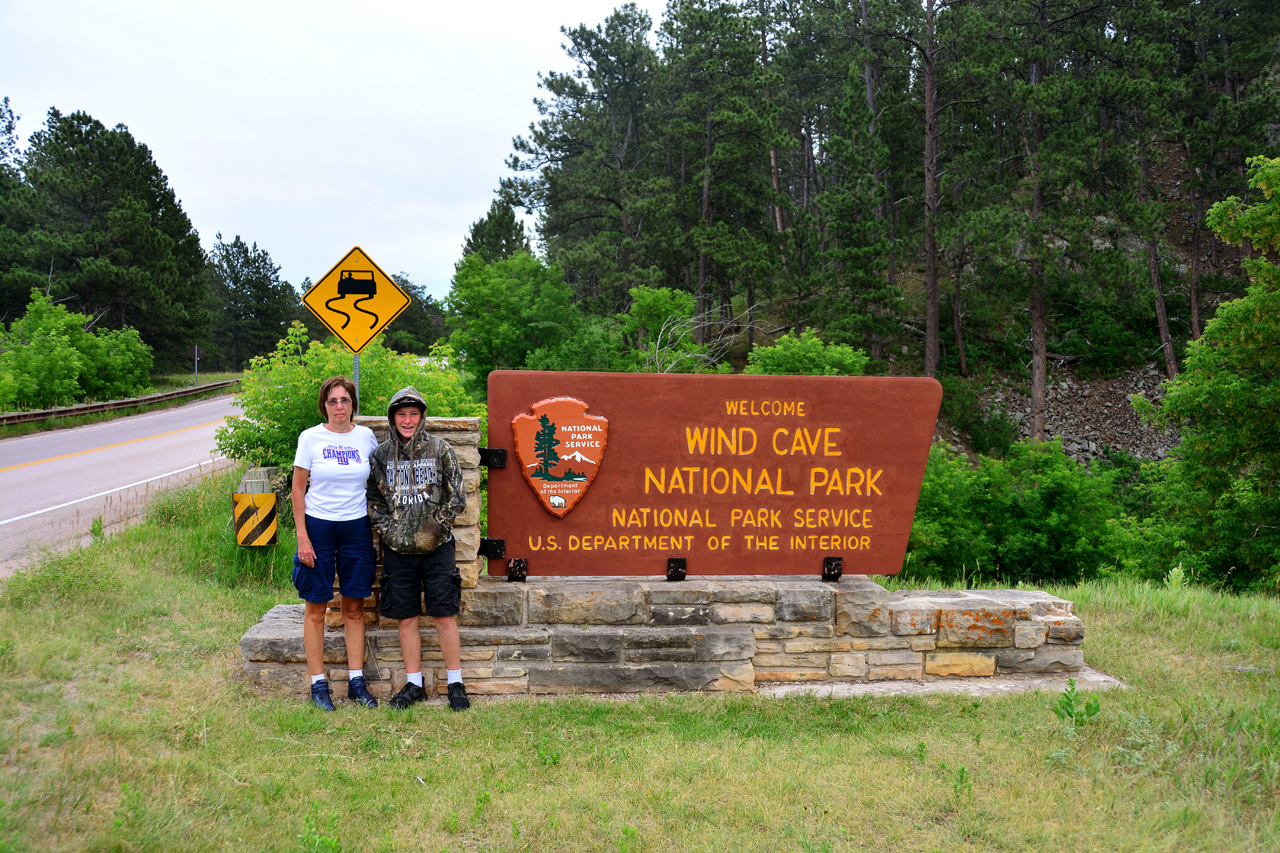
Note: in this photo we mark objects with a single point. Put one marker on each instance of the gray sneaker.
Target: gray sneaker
(409, 694)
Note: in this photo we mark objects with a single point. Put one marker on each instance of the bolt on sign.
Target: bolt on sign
(356, 299)
(735, 474)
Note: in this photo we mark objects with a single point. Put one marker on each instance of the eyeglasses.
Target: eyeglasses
(338, 401)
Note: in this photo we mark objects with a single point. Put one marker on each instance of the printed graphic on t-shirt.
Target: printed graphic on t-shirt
(411, 486)
(343, 455)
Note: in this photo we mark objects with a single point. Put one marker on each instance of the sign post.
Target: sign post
(356, 300)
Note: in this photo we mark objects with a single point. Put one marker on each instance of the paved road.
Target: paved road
(54, 484)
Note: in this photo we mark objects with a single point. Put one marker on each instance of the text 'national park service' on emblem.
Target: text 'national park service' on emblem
(560, 448)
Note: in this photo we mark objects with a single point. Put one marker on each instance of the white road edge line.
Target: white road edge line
(110, 491)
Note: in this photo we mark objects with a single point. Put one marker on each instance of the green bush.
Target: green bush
(279, 391)
(805, 355)
(1214, 508)
(48, 358)
(1036, 516)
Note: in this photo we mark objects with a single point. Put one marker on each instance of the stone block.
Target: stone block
(745, 592)
(725, 644)
(770, 661)
(661, 638)
(467, 542)
(1011, 657)
(975, 625)
(470, 572)
(647, 655)
(492, 604)
(790, 674)
(277, 676)
(433, 656)
(895, 673)
(504, 636)
(973, 664)
(913, 617)
(474, 673)
(276, 637)
(735, 678)
(624, 678)
(586, 647)
(471, 481)
(861, 589)
(681, 593)
(894, 658)
(866, 644)
(679, 614)
(497, 686)
(804, 603)
(802, 646)
(1037, 602)
(923, 644)
(1067, 630)
(588, 604)
(787, 632)
(534, 653)
(862, 620)
(468, 457)
(470, 515)
(1048, 659)
(853, 665)
(751, 613)
(769, 646)
(1030, 634)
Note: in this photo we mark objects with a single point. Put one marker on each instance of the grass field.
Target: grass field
(124, 727)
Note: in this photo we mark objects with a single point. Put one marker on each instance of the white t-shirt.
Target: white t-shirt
(339, 466)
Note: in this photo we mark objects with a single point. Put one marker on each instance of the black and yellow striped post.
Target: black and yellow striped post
(255, 518)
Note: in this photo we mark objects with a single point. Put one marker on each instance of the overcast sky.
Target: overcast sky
(306, 127)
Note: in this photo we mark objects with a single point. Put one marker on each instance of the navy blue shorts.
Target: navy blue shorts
(344, 548)
(406, 577)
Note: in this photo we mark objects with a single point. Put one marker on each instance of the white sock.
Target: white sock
(316, 679)
(414, 678)
(354, 674)
(455, 676)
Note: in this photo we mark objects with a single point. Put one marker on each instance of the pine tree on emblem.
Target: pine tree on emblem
(544, 448)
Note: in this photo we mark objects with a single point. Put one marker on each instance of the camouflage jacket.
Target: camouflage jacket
(415, 492)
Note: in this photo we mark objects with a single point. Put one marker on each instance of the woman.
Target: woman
(332, 520)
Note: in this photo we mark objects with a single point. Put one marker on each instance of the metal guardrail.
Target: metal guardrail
(91, 408)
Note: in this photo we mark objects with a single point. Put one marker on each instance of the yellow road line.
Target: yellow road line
(106, 447)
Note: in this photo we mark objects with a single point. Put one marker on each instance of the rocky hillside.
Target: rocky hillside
(1087, 415)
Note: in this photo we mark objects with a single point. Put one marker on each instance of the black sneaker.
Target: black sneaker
(458, 700)
(409, 694)
(357, 691)
(320, 696)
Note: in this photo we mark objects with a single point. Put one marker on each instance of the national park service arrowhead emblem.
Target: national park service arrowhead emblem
(560, 448)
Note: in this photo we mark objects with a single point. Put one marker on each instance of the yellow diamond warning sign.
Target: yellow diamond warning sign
(356, 299)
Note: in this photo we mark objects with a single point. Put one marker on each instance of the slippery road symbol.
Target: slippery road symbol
(358, 283)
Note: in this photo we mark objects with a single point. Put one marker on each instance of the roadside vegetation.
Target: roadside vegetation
(124, 725)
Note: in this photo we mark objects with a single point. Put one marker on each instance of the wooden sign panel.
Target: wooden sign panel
(613, 473)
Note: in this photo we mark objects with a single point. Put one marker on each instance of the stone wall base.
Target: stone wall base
(627, 635)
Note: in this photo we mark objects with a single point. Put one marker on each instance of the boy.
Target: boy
(415, 492)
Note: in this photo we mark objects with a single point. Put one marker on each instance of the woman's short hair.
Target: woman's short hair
(331, 383)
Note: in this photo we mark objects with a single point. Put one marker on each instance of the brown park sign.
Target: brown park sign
(735, 474)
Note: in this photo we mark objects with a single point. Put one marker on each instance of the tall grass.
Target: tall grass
(124, 726)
